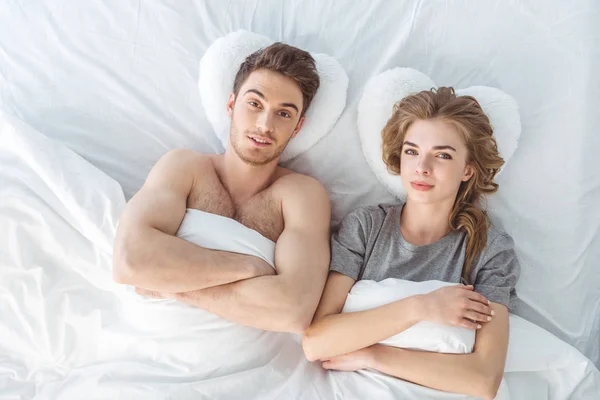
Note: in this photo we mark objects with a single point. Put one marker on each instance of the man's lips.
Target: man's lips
(260, 140)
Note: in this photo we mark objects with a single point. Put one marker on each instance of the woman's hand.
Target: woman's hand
(359, 359)
(458, 306)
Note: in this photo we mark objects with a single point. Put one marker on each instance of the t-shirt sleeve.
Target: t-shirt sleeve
(498, 271)
(349, 243)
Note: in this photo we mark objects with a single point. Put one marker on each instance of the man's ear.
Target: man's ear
(298, 126)
(469, 171)
(230, 104)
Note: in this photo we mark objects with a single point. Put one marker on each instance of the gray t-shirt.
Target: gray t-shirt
(370, 245)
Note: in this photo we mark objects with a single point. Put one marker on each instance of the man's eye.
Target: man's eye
(285, 114)
(253, 103)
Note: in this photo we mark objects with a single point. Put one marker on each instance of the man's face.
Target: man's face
(265, 115)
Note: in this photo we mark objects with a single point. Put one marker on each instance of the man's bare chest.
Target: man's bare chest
(261, 213)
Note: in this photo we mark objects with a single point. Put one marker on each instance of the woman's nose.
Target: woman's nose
(423, 166)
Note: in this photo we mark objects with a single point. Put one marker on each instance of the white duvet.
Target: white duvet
(116, 81)
(68, 332)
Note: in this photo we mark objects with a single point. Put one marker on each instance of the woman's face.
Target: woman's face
(433, 162)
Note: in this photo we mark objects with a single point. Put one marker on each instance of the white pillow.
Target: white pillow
(219, 65)
(531, 350)
(428, 336)
(384, 90)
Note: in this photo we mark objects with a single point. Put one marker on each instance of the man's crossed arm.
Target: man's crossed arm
(237, 287)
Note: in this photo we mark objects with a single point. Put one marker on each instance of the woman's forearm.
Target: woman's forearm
(457, 373)
(478, 374)
(338, 334)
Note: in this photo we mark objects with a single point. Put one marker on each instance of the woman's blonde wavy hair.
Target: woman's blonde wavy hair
(467, 116)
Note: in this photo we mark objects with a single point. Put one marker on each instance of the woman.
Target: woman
(442, 147)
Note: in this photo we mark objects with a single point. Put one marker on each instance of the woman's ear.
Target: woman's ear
(469, 171)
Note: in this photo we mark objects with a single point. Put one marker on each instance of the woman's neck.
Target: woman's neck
(423, 224)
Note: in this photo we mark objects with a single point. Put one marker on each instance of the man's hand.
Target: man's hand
(458, 306)
(153, 294)
(261, 267)
(359, 359)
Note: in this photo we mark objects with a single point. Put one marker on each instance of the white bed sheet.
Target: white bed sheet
(69, 332)
(116, 82)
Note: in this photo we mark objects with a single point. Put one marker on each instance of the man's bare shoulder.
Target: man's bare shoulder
(182, 157)
(185, 161)
(300, 192)
(290, 181)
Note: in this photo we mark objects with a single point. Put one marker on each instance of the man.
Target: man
(272, 91)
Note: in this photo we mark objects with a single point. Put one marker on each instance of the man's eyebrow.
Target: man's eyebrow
(257, 92)
(290, 105)
(262, 96)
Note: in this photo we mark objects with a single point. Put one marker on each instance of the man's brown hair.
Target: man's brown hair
(287, 60)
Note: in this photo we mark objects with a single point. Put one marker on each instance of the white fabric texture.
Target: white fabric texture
(384, 90)
(117, 83)
(216, 232)
(39, 174)
(219, 65)
(425, 335)
(101, 341)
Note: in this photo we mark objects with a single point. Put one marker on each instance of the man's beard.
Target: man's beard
(263, 158)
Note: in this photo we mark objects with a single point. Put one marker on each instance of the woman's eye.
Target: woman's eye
(445, 156)
(411, 152)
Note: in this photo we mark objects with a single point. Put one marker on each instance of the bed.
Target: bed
(93, 93)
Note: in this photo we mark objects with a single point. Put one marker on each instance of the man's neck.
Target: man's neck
(242, 180)
(423, 224)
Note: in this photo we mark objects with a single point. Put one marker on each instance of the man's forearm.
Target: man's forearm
(338, 334)
(285, 302)
(157, 261)
(263, 303)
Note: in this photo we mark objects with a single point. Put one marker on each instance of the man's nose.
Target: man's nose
(264, 122)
